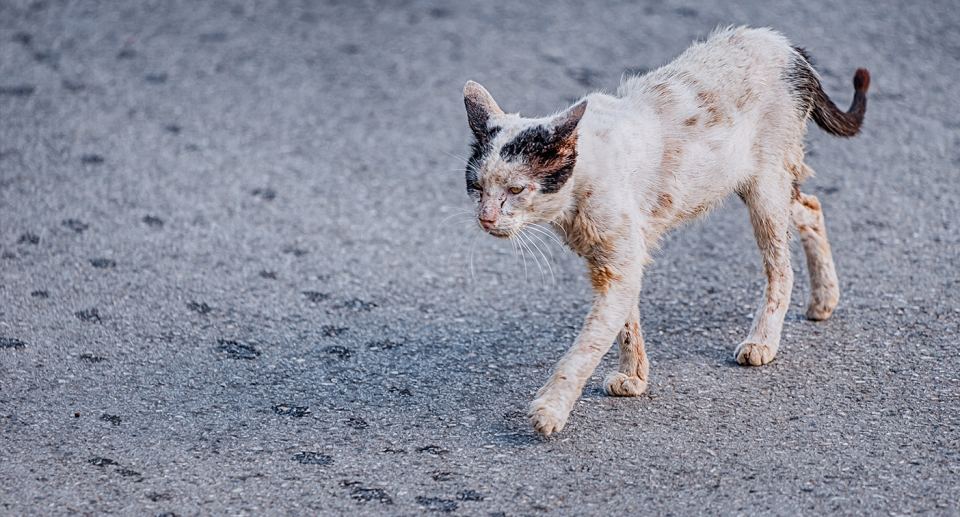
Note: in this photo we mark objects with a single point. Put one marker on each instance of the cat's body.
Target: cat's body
(613, 173)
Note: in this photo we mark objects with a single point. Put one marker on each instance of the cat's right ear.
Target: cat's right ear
(480, 108)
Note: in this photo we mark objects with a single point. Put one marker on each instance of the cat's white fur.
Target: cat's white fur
(671, 144)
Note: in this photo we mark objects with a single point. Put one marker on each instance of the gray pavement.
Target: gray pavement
(228, 285)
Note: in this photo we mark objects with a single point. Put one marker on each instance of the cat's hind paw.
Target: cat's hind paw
(619, 384)
(754, 354)
(546, 418)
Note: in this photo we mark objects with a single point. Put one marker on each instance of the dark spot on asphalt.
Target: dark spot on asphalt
(270, 275)
(101, 462)
(339, 351)
(127, 53)
(113, 419)
(350, 49)
(201, 308)
(442, 475)
(315, 296)
(370, 494)
(73, 86)
(103, 263)
(91, 159)
(400, 391)
(356, 304)
(357, 423)
(48, 57)
(92, 315)
(394, 451)
(127, 473)
(436, 505)
(267, 194)
(28, 238)
(155, 78)
(172, 128)
(585, 76)
(440, 12)
(296, 252)
(469, 495)
(91, 358)
(40, 294)
(9, 255)
(9, 342)
(436, 450)
(213, 37)
(827, 190)
(236, 350)
(153, 221)
(686, 12)
(22, 38)
(290, 410)
(75, 225)
(384, 345)
(17, 91)
(153, 496)
(313, 458)
(332, 330)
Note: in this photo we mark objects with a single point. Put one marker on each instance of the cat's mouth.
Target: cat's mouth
(502, 234)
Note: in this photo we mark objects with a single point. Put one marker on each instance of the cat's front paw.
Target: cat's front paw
(754, 354)
(619, 384)
(546, 417)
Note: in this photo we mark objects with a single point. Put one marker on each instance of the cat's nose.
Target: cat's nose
(487, 223)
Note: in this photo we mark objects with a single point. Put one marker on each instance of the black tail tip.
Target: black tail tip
(861, 80)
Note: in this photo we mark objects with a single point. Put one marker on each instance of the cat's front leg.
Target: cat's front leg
(616, 292)
(631, 380)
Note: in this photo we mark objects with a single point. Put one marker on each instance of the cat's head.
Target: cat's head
(519, 167)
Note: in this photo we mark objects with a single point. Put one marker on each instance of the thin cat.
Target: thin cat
(613, 173)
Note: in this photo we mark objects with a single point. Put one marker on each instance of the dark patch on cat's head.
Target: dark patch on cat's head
(550, 151)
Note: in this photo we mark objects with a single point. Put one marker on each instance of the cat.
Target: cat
(612, 173)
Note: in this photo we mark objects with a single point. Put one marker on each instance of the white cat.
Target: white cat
(613, 173)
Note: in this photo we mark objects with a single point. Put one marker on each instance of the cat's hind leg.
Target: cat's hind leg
(769, 200)
(631, 380)
(824, 286)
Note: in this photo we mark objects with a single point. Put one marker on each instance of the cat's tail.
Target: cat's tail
(824, 112)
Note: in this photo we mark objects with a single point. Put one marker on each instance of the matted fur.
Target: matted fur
(613, 173)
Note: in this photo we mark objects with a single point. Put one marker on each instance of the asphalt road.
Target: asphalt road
(229, 286)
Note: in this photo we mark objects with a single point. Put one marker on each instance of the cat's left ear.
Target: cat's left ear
(480, 108)
(565, 123)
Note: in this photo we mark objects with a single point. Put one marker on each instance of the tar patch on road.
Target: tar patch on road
(315, 297)
(357, 423)
(91, 358)
(9, 342)
(91, 315)
(39, 293)
(100, 461)
(313, 458)
(237, 350)
(384, 345)
(364, 494)
(339, 351)
(291, 410)
(76, 225)
(91, 159)
(152, 221)
(103, 263)
(113, 419)
(332, 331)
(200, 308)
(269, 275)
(28, 238)
(356, 304)
(266, 194)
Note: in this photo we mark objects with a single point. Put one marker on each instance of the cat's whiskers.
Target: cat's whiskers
(539, 229)
(553, 278)
(526, 243)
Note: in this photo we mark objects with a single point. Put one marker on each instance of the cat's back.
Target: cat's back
(739, 65)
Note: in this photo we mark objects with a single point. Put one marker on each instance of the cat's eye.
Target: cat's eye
(516, 190)
(476, 186)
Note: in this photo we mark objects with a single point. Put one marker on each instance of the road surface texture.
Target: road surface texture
(230, 285)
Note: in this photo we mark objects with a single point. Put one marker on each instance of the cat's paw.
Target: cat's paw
(546, 417)
(754, 354)
(822, 303)
(619, 384)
